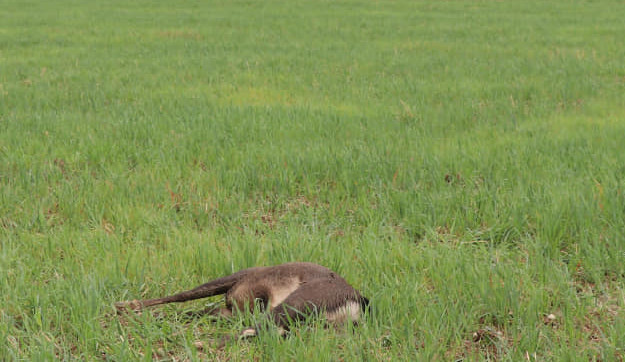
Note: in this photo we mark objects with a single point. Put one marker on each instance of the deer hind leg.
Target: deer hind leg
(245, 298)
(312, 298)
(132, 305)
(333, 298)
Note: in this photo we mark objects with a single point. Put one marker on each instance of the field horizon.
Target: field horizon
(460, 163)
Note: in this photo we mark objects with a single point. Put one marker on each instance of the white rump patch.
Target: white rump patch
(348, 312)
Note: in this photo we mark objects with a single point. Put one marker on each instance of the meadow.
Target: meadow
(460, 162)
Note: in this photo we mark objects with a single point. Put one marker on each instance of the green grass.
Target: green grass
(460, 162)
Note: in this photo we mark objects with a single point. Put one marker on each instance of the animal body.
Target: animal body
(289, 292)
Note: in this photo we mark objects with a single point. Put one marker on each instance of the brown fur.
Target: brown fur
(288, 291)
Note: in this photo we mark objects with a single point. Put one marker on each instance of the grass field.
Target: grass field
(460, 162)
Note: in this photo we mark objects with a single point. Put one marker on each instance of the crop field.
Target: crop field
(462, 163)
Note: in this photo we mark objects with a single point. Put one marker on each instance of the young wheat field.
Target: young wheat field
(462, 163)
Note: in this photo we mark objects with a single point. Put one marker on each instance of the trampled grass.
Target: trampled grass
(460, 162)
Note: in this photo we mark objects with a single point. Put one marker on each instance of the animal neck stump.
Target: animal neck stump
(289, 292)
